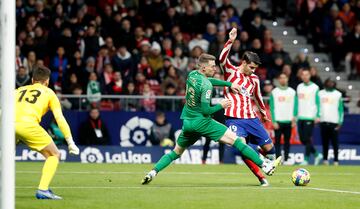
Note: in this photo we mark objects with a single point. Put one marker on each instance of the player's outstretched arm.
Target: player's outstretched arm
(234, 87)
(225, 64)
(63, 125)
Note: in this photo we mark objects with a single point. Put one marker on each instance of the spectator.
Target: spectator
(106, 78)
(224, 24)
(129, 104)
(168, 104)
(179, 42)
(198, 40)
(282, 108)
(72, 84)
(102, 59)
(315, 78)
(249, 14)
(68, 42)
(19, 59)
(210, 34)
(180, 61)
(59, 66)
(92, 42)
(93, 90)
(155, 59)
(78, 103)
(173, 77)
(245, 42)
(29, 62)
(301, 61)
(331, 118)
(148, 103)
(268, 87)
(167, 47)
(162, 132)
(308, 114)
(257, 28)
(216, 46)
(267, 42)
(22, 78)
(337, 44)
(123, 62)
(279, 51)
(115, 87)
(347, 16)
(94, 131)
(352, 59)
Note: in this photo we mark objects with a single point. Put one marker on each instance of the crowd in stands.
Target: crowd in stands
(145, 47)
(332, 26)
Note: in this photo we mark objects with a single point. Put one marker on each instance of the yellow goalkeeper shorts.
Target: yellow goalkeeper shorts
(33, 135)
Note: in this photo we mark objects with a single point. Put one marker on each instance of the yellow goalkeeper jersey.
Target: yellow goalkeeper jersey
(33, 101)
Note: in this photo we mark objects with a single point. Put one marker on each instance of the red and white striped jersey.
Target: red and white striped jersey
(250, 89)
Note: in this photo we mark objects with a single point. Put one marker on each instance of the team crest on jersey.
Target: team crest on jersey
(208, 94)
(244, 91)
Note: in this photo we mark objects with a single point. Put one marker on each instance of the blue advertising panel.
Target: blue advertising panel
(348, 155)
(129, 129)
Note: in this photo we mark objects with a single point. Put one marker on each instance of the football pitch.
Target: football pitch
(109, 186)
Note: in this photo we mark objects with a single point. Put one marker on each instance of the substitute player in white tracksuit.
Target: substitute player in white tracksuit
(308, 114)
(282, 108)
(331, 118)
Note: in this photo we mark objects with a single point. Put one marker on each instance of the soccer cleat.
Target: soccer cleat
(47, 194)
(149, 177)
(336, 163)
(318, 159)
(325, 162)
(269, 167)
(264, 183)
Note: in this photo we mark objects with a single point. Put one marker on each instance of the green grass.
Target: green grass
(108, 186)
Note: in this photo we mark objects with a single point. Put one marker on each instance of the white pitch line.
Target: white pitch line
(181, 173)
(201, 187)
(333, 190)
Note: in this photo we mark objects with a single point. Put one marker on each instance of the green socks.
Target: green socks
(247, 152)
(165, 161)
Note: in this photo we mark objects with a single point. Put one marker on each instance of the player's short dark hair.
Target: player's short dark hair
(249, 57)
(205, 58)
(41, 73)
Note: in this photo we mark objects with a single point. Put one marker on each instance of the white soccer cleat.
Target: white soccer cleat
(269, 166)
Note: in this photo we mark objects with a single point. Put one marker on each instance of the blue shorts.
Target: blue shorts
(252, 127)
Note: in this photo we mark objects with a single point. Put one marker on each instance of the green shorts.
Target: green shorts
(192, 130)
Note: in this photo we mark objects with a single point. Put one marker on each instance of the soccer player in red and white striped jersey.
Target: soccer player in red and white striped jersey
(240, 116)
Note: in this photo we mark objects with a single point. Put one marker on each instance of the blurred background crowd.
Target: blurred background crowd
(147, 47)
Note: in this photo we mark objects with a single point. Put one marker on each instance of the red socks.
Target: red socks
(254, 168)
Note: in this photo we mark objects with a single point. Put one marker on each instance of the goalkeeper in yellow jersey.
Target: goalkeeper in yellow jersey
(32, 102)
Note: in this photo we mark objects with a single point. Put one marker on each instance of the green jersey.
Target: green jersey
(198, 96)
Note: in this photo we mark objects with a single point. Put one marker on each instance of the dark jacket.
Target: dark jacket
(88, 134)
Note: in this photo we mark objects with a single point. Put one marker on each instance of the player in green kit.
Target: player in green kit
(197, 120)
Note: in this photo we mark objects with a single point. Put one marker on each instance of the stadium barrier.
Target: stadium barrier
(348, 155)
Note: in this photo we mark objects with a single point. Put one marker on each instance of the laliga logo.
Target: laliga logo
(91, 155)
(135, 132)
